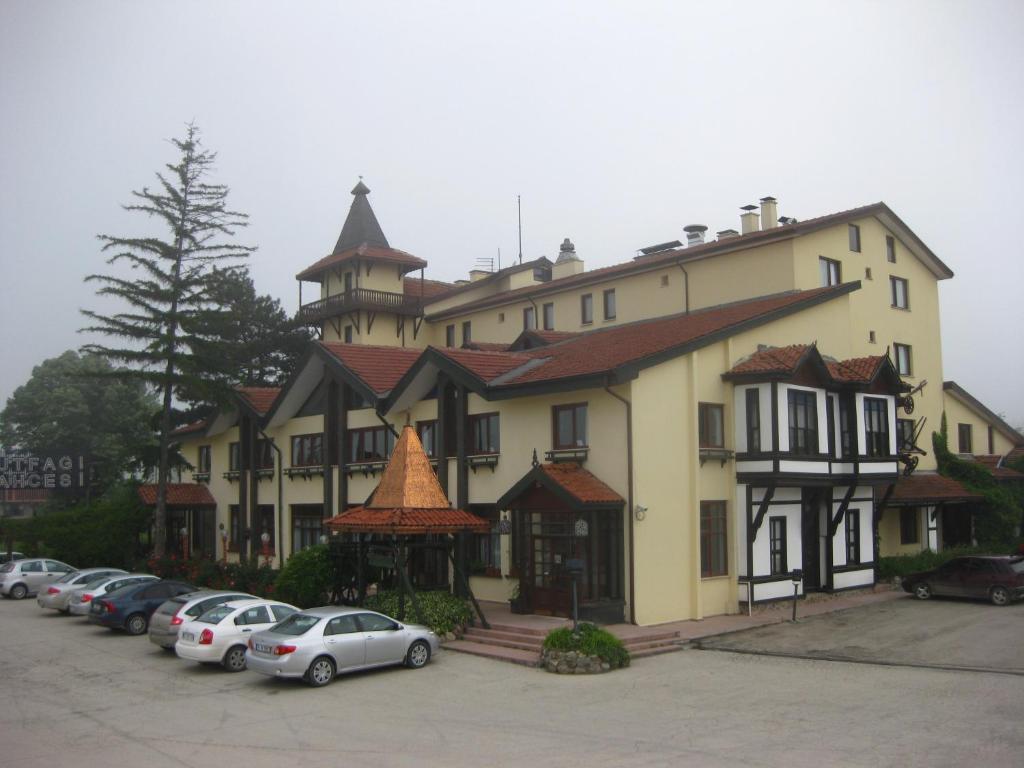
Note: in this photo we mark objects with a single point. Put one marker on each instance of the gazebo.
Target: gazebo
(409, 504)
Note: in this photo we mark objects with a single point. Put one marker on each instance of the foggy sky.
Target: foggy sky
(618, 123)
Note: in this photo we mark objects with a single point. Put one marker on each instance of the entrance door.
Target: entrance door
(551, 546)
(811, 536)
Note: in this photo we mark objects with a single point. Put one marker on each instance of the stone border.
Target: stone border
(573, 663)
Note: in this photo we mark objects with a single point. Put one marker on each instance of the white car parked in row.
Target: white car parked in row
(23, 578)
(220, 635)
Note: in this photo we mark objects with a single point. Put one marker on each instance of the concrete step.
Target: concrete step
(503, 643)
(498, 653)
(655, 650)
(487, 635)
(514, 630)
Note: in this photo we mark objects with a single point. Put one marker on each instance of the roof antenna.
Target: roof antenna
(519, 203)
(499, 258)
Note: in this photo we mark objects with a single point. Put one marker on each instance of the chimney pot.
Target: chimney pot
(725, 234)
(694, 234)
(748, 219)
(769, 213)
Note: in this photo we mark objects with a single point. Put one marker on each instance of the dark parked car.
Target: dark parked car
(129, 608)
(999, 579)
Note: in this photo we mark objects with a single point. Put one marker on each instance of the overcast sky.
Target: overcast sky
(618, 123)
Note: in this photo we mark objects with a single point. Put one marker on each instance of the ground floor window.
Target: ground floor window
(265, 524)
(908, 526)
(777, 545)
(714, 558)
(486, 547)
(853, 536)
(234, 526)
(307, 525)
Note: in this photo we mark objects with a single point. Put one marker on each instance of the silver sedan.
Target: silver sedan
(80, 600)
(57, 595)
(320, 643)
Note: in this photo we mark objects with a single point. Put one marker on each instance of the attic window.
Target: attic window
(664, 280)
(501, 317)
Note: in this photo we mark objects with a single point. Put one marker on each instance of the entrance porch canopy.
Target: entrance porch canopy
(576, 487)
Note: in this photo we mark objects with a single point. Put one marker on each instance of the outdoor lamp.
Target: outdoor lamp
(265, 538)
(797, 576)
(323, 538)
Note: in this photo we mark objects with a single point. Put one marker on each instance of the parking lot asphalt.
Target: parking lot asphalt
(946, 634)
(79, 696)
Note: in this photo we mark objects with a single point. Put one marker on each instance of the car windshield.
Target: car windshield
(296, 624)
(216, 615)
(1018, 566)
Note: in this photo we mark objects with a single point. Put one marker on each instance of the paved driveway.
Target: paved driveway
(75, 696)
(943, 633)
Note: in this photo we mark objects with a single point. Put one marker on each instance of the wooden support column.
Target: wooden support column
(254, 491)
(462, 477)
(243, 487)
(442, 437)
(344, 398)
(329, 445)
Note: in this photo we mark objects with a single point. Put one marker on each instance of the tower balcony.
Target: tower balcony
(360, 299)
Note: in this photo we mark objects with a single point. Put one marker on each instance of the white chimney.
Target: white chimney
(769, 213)
(478, 274)
(748, 219)
(567, 263)
(725, 234)
(694, 234)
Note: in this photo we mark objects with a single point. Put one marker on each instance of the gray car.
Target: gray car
(80, 600)
(22, 578)
(319, 643)
(57, 595)
(168, 618)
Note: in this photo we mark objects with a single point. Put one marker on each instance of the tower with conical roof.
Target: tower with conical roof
(365, 294)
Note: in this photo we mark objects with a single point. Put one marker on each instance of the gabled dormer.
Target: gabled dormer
(363, 284)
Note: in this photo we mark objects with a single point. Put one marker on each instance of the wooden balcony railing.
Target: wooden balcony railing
(366, 299)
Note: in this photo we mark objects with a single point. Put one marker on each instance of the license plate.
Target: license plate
(188, 637)
(263, 648)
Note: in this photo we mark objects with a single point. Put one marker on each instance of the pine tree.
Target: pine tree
(175, 286)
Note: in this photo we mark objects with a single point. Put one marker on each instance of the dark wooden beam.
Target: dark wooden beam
(329, 444)
(344, 398)
(843, 506)
(442, 447)
(762, 510)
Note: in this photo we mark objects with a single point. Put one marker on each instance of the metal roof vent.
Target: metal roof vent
(694, 234)
(566, 252)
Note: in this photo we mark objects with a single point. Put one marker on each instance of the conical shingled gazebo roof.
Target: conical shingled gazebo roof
(408, 500)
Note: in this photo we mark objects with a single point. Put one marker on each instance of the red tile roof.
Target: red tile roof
(379, 367)
(856, 369)
(363, 252)
(553, 337)
(579, 483)
(24, 495)
(922, 488)
(772, 360)
(179, 495)
(994, 464)
(188, 429)
(488, 346)
(483, 364)
(407, 521)
(428, 289)
(259, 398)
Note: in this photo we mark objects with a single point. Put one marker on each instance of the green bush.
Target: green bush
(590, 640)
(307, 577)
(903, 565)
(442, 612)
(250, 576)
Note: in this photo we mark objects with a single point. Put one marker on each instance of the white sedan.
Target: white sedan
(220, 635)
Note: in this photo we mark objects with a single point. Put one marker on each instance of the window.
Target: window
(991, 440)
(846, 426)
(753, 420)
(348, 334)
(908, 526)
(370, 444)
(342, 625)
(867, 273)
(449, 336)
(529, 319)
(712, 425)
(264, 454)
(855, 238)
(234, 457)
(549, 316)
(484, 434)
(890, 249)
(234, 526)
(964, 441)
(307, 450)
(501, 317)
(903, 359)
(586, 309)
(871, 337)
(904, 434)
(830, 270)
(853, 536)
(570, 426)
(256, 615)
(714, 558)
(777, 545)
(876, 426)
(348, 282)
(306, 525)
(467, 333)
(372, 622)
(664, 281)
(900, 294)
(204, 459)
(803, 422)
(609, 304)
(486, 552)
(427, 431)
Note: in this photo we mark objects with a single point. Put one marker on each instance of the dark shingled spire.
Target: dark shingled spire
(361, 225)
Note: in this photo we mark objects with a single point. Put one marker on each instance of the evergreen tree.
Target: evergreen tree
(159, 329)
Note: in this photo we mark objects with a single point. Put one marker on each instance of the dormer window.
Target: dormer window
(876, 427)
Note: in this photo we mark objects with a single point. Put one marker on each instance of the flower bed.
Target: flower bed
(589, 650)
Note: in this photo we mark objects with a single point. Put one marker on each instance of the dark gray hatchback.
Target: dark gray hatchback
(995, 578)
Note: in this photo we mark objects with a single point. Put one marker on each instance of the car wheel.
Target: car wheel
(320, 672)
(19, 591)
(418, 655)
(136, 624)
(234, 659)
(999, 596)
(922, 590)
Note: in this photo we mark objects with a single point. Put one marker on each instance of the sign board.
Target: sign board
(19, 471)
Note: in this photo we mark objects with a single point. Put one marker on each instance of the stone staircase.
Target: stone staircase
(522, 645)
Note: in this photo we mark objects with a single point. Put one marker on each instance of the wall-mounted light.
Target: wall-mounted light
(639, 511)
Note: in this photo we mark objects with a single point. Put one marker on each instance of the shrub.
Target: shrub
(590, 640)
(442, 612)
(307, 577)
(904, 565)
(250, 576)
